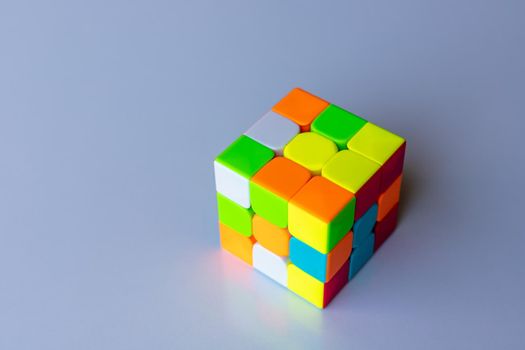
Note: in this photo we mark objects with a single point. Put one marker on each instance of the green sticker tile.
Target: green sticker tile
(234, 216)
(245, 156)
(269, 205)
(338, 125)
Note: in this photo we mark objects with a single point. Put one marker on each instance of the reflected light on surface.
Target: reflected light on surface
(257, 305)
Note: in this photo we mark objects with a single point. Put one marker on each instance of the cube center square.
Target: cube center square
(308, 194)
(311, 150)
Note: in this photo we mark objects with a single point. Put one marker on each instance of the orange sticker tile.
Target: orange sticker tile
(237, 244)
(270, 236)
(301, 107)
(339, 255)
(388, 199)
(322, 198)
(282, 176)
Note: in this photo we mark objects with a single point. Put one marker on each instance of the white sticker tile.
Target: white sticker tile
(270, 264)
(273, 131)
(232, 185)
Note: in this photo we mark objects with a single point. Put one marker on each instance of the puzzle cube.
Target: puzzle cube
(308, 194)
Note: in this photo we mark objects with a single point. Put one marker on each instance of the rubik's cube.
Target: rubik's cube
(308, 194)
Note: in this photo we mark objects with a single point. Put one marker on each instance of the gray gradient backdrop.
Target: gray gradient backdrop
(111, 113)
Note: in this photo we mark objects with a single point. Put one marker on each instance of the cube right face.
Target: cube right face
(308, 194)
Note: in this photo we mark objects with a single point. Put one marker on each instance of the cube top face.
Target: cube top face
(375, 143)
(273, 131)
(308, 193)
(245, 156)
(300, 107)
(350, 170)
(311, 150)
(338, 125)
